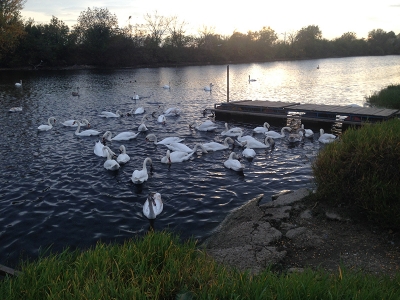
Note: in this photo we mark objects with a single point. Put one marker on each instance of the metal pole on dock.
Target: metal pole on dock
(227, 83)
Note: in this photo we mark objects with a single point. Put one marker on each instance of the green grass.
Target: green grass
(387, 98)
(160, 266)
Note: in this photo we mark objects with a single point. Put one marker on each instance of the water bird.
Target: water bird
(123, 136)
(15, 109)
(140, 176)
(162, 119)
(255, 144)
(296, 137)
(276, 135)
(172, 111)
(88, 132)
(233, 163)
(308, 133)
(135, 96)
(209, 87)
(98, 150)
(235, 131)
(152, 138)
(207, 125)
(179, 156)
(123, 158)
(167, 86)
(72, 123)
(49, 124)
(214, 146)
(76, 93)
(108, 114)
(153, 206)
(326, 138)
(138, 111)
(251, 79)
(142, 127)
(262, 129)
(184, 148)
(19, 84)
(110, 163)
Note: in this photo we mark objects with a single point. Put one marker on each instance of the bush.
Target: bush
(362, 170)
(387, 98)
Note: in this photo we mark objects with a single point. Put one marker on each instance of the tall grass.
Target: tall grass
(363, 170)
(388, 97)
(159, 266)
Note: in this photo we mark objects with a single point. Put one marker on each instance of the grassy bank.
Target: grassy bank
(159, 266)
(388, 97)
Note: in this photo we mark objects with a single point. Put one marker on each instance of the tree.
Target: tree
(11, 25)
(307, 41)
(156, 26)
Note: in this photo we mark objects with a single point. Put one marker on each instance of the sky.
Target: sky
(333, 18)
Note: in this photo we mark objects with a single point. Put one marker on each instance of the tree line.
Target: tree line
(97, 40)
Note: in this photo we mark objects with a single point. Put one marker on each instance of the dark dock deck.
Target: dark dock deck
(347, 115)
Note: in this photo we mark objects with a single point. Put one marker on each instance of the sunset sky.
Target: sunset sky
(333, 17)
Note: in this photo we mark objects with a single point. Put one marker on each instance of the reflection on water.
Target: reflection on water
(55, 190)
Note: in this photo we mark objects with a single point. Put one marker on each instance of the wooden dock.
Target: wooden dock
(347, 115)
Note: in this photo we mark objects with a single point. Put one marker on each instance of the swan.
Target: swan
(205, 126)
(108, 114)
(296, 137)
(135, 96)
(110, 164)
(122, 158)
(88, 132)
(233, 163)
(326, 138)
(98, 150)
(161, 119)
(167, 86)
(153, 206)
(152, 138)
(138, 111)
(19, 84)
(70, 123)
(180, 156)
(262, 129)
(76, 93)
(142, 127)
(214, 146)
(250, 142)
(172, 111)
(140, 176)
(183, 148)
(308, 132)
(15, 109)
(235, 131)
(251, 79)
(209, 87)
(249, 153)
(49, 126)
(123, 136)
(276, 135)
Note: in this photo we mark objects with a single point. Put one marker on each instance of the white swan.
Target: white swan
(75, 93)
(262, 129)
(72, 123)
(207, 125)
(123, 158)
(15, 109)
(110, 164)
(183, 148)
(276, 135)
(152, 138)
(235, 131)
(326, 138)
(108, 114)
(140, 176)
(19, 84)
(123, 136)
(142, 127)
(167, 86)
(251, 79)
(308, 132)
(296, 137)
(98, 150)
(49, 125)
(161, 119)
(209, 87)
(180, 156)
(88, 132)
(172, 111)
(233, 163)
(249, 153)
(214, 146)
(250, 142)
(135, 96)
(153, 206)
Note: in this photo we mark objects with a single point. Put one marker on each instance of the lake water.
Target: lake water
(55, 192)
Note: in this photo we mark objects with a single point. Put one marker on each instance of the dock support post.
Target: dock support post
(227, 83)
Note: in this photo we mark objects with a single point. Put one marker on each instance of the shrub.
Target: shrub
(388, 97)
(362, 170)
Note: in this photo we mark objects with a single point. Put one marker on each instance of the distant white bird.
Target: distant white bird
(88, 132)
(172, 112)
(208, 88)
(72, 123)
(262, 129)
(49, 124)
(207, 125)
(326, 138)
(162, 119)
(308, 132)
(250, 142)
(251, 79)
(137, 111)
(167, 86)
(233, 163)
(15, 109)
(249, 153)
(180, 156)
(108, 114)
(98, 150)
(110, 164)
(19, 84)
(75, 93)
(142, 127)
(276, 135)
(296, 137)
(123, 136)
(152, 138)
(214, 146)
(135, 96)
(140, 176)
(123, 158)
(184, 148)
(153, 206)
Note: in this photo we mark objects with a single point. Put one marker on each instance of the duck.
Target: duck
(262, 129)
(179, 156)
(140, 176)
(135, 96)
(214, 146)
(276, 135)
(233, 163)
(138, 111)
(15, 109)
(208, 88)
(153, 206)
(162, 119)
(123, 158)
(76, 93)
(296, 137)
(167, 86)
(48, 126)
(251, 79)
(108, 114)
(70, 123)
(326, 138)
(172, 111)
(207, 125)
(152, 138)
(142, 127)
(183, 148)
(123, 136)
(88, 132)
(110, 164)
(235, 131)
(19, 84)
(308, 133)
(98, 150)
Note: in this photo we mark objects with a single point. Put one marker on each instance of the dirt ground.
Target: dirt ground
(344, 241)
